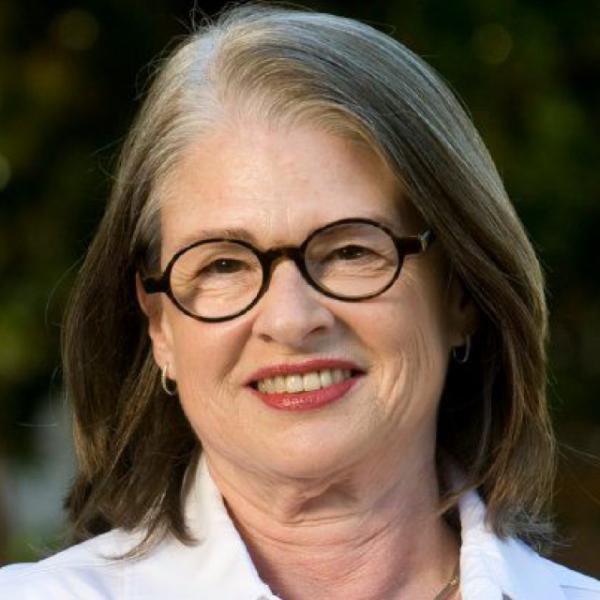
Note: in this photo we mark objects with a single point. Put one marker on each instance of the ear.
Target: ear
(463, 313)
(159, 329)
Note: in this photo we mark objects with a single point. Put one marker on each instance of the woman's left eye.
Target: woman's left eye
(351, 252)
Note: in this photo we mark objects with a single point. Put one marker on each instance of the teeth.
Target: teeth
(280, 384)
(311, 381)
(307, 382)
(326, 378)
(293, 383)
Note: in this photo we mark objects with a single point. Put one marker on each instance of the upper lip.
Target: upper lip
(302, 367)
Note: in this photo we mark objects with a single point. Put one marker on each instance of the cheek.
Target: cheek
(413, 322)
(414, 341)
(205, 356)
(428, 340)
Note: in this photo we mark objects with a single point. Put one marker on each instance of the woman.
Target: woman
(306, 351)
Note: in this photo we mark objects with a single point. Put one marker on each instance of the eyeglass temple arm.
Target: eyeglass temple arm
(415, 244)
(426, 239)
(153, 285)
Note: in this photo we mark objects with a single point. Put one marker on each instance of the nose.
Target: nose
(291, 312)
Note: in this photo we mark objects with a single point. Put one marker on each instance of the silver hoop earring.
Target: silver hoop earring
(170, 390)
(461, 357)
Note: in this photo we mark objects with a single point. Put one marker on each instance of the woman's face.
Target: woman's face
(279, 185)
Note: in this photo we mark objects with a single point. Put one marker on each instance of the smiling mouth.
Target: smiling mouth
(305, 382)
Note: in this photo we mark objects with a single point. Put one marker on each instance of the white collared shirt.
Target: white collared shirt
(220, 568)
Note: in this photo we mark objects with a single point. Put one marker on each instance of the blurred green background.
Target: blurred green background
(71, 76)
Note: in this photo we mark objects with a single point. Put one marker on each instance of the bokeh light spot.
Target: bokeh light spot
(5, 172)
(493, 43)
(76, 29)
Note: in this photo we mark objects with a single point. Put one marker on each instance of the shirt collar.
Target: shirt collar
(497, 569)
(224, 564)
(218, 565)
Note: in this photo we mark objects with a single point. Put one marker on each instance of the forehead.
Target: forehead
(274, 186)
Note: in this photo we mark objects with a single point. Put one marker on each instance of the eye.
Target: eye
(224, 265)
(351, 252)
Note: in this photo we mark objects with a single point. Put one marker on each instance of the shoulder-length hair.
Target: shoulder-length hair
(133, 443)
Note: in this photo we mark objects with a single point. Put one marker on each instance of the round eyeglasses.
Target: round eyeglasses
(219, 279)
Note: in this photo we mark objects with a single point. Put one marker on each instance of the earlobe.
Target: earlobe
(159, 329)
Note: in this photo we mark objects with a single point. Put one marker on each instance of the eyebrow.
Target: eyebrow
(239, 233)
(230, 233)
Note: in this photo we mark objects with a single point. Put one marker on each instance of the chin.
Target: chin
(315, 456)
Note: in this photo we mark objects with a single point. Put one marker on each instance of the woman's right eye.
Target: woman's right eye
(223, 265)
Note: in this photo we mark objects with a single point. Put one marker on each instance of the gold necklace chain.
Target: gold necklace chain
(451, 587)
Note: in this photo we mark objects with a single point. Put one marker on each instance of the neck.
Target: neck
(345, 535)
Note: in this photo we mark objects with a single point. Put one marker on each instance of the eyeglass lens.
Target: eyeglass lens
(217, 279)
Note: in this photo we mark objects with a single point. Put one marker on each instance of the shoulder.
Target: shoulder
(529, 575)
(88, 570)
(493, 567)
(575, 586)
